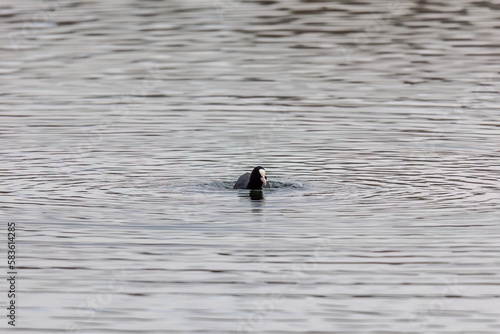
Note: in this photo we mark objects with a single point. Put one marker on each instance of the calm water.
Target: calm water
(125, 123)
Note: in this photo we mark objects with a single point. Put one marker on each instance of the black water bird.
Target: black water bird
(255, 180)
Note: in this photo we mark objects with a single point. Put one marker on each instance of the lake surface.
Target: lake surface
(125, 123)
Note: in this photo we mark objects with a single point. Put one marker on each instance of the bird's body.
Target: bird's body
(255, 180)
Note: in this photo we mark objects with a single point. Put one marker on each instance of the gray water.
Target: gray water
(125, 123)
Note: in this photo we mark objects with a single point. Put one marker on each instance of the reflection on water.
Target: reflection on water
(256, 195)
(124, 125)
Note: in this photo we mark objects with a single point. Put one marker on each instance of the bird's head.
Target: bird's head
(260, 173)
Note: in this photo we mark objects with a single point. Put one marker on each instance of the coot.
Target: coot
(255, 180)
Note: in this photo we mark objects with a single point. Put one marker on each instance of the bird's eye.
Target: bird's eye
(266, 177)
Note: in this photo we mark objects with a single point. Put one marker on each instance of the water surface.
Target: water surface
(124, 124)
